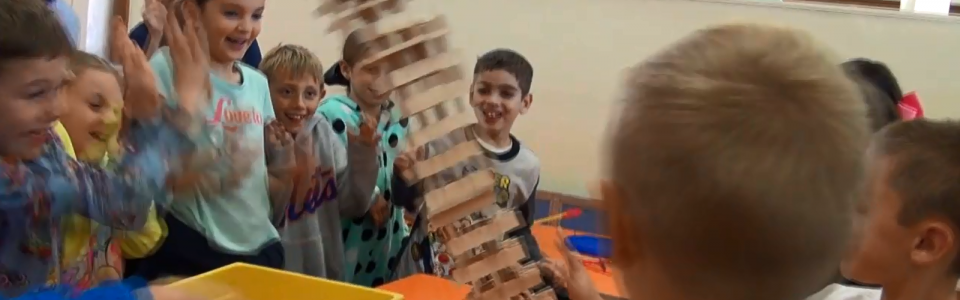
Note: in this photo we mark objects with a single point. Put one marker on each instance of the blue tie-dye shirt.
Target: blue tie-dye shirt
(36, 194)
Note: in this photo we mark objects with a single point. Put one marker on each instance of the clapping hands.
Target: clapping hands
(141, 97)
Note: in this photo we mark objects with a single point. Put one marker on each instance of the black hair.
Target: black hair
(509, 61)
(877, 74)
(881, 110)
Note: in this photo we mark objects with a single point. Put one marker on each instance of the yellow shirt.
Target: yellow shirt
(86, 268)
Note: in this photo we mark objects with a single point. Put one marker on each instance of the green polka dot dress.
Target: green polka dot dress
(368, 249)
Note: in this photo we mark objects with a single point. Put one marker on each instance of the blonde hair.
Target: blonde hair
(82, 61)
(291, 60)
(737, 158)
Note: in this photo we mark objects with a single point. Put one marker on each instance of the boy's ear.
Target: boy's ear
(323, 92)
(525, 103)
(934, 244)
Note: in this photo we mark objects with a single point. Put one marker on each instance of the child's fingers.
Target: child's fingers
(173, 35)
(192, 30)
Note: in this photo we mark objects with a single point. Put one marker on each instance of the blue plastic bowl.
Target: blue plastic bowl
(590, 245)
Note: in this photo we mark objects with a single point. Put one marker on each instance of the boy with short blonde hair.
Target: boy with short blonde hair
(341, 179)
(734, 168)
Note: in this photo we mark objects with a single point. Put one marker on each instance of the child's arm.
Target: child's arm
(407, 195)
(357, 170)
(140, 243)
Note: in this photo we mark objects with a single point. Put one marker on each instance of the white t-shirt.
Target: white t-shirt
(842, 292)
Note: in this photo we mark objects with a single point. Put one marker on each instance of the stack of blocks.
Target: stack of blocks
(426, 81)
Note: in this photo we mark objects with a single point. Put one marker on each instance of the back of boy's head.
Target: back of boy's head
(293, 61)
(508, 61)
(737, 160)
(30, 30)
(924, 170)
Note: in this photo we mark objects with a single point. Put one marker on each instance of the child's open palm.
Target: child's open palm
(191, 75)
(141, 97)
(154, 16)
(571, 273)
(366, 134)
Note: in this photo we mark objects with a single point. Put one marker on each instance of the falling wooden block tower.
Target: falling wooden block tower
(426, 81)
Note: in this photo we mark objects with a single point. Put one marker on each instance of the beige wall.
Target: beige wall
(579, 48)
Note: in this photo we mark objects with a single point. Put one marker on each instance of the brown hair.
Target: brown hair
(925, 170)
(30, 30)
(291, 60)
(737, 158)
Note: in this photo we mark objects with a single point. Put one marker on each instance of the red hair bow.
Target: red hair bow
(910, 107)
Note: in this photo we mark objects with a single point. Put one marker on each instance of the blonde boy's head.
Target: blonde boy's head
(913, 212)
(734, 166)
(296, 84)
(291, 61)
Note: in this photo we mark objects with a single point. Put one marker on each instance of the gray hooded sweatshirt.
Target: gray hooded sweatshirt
(342, 188)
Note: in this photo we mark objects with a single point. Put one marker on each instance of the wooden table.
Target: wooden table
(426, 287)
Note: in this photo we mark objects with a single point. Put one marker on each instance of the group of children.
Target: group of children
(261, 167)
(746, 164)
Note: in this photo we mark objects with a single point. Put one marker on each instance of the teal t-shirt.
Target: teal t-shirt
(368, 249)
(237, 221)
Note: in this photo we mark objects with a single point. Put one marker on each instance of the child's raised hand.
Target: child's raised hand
(191, 75)
(571, 273)
(405, 160)
(141, 97)
(366, 134)
(154, 16)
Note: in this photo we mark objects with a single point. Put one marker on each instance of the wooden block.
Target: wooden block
(440, 129)
(417, 70)
(419, 40)
(434, 96)
(437, 163)
(528, 278)
(482, 232)
(488, 262)
(442, 219)
(354, 10)
(458, 192)
(397, 23)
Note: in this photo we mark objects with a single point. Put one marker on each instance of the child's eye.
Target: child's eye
(483, 91)
(286, 92)
(230, 13)
(257, 17)
(310, 95)
(506, 95)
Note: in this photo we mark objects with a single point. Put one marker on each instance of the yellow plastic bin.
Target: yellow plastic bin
(249, 282)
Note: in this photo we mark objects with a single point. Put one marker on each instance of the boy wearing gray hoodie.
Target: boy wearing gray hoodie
(317, 180)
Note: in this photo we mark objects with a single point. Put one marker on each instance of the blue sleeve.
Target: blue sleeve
(253, 57)
(69, 20)
(57, 184)
(140, 35)
(109, 291)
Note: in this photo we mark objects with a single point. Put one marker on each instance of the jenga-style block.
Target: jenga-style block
(425, 80)
(487, 230)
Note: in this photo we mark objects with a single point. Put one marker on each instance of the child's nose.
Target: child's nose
(246, 25)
